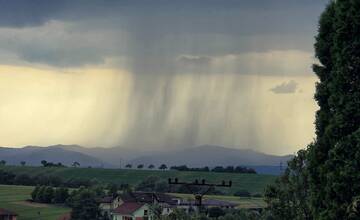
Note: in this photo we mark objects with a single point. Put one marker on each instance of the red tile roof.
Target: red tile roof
(128, 208)
(4, 212)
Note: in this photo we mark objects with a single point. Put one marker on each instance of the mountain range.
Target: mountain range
(115, 157)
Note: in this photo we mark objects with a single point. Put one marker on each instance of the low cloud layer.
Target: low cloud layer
(285, 88)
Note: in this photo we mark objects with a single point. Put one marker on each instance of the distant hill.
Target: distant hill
(33, 155)
(116, 156)
(206, 155)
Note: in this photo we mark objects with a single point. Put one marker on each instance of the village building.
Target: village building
(167, 203)
(132, 211)
(109, 203)
(135, 205)
(190, 206)
(7, 214)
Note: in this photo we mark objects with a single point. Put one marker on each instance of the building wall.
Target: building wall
(137, 215)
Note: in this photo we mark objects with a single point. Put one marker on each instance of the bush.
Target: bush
(242, 193)
(216, 212)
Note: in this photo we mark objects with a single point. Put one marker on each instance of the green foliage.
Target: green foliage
(323, 181)
(76, 177)
(35, 192)
(242, 193)
(216, 212)
(14, 198)
(84, 205)
(163, 167)
(61, 195)
(148, 185)
(288, 198)
(75, 164)
(113, 190)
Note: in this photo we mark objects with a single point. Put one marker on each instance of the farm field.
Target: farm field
(254, 183)
(14, 198)
(244, 202)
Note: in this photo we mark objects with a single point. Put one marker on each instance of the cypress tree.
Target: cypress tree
(331, 173)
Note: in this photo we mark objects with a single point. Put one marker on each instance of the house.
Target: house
(7, 215)
(191, 206)
(109, 203)
(132, 211)
(219, 203)
(165, 201)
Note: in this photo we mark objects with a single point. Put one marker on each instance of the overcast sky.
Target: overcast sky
(158, 74)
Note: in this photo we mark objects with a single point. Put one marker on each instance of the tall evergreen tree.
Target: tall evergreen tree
(333, 166)
(331, 173)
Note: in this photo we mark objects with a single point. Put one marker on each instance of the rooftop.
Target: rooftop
(128, 208)
(4, 212)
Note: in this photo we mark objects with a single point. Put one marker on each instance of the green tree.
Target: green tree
(327, 185)
(44, 163)
(75, 164)
(85, 206)
(334, 174)
(61, 195)
(40, 196)
(163, 167)
(140, 166)
(216, 212)
(113, 190)
(35, 192)
(23, 163)
(2, 162)
(48, 195)
(151, 166)
(289, 198)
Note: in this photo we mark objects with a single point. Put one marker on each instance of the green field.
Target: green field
(244, 202)
(254, 183)
(13, 198)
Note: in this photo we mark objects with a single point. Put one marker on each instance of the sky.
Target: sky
(158, 74)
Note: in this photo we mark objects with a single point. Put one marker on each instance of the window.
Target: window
(145, 212)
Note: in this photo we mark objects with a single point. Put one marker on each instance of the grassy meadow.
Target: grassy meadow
(254, 183)
(14, 198)
(244, 202)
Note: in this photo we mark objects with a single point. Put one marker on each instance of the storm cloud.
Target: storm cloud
(197, 71)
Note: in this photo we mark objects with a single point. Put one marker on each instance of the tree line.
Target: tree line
(10, 178)
(151, 166)
(217, 169)
(83, 201)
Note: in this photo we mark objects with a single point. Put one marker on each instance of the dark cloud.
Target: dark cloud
(194, 60)
(159, 32)
(285, 88)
